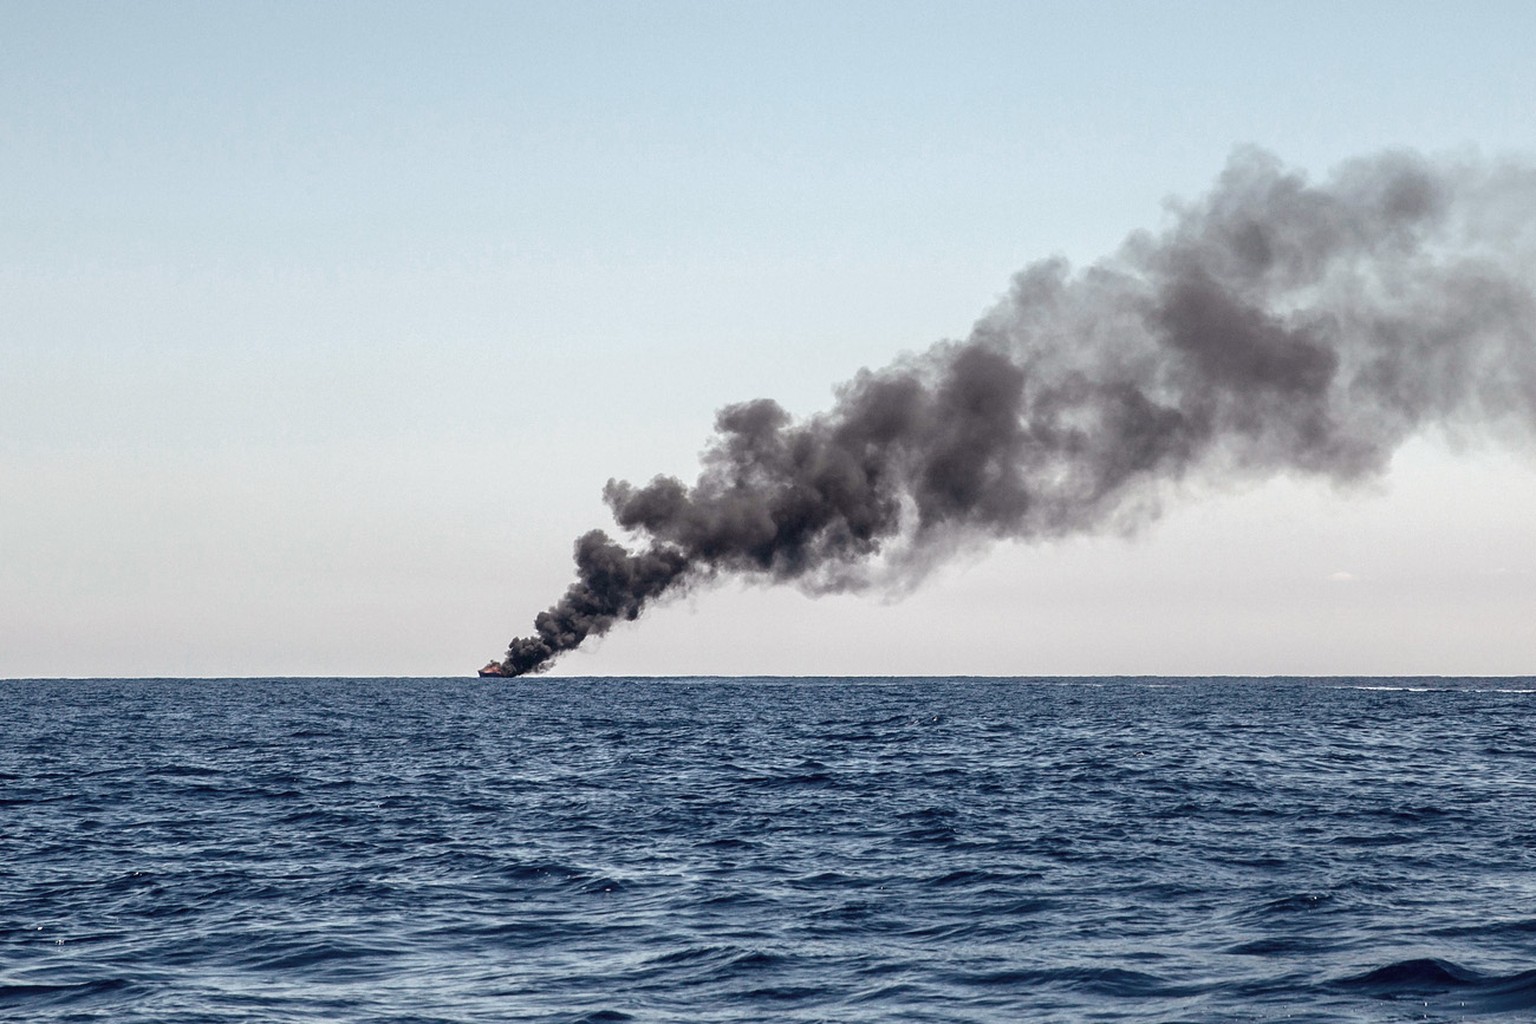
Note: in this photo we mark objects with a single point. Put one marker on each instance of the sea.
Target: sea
(767, 849)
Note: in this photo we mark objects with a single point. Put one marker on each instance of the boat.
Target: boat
(494, 669)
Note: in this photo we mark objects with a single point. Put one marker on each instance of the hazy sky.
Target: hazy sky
(323, 325)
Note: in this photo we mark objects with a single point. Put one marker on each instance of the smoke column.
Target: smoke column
(1274, 325)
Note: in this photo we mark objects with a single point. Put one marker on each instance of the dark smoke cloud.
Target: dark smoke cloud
(1275, 325)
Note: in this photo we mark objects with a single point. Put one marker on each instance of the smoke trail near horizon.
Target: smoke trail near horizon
(1274, 325)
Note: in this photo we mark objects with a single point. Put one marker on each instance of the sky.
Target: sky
(323, 326)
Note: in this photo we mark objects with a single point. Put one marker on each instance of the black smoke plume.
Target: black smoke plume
(1275, 325)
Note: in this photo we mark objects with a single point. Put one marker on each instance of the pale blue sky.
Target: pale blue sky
(322, 325)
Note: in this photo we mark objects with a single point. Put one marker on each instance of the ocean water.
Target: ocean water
(732, 850)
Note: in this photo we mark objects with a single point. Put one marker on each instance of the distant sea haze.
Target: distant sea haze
(745, 850)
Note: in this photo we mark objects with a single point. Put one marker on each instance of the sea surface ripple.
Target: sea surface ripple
(732, 850)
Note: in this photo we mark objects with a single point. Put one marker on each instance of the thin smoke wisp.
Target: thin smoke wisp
(1275, 324)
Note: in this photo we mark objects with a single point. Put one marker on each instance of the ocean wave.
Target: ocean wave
(38, 996)
(1474, 991)
(594, 850)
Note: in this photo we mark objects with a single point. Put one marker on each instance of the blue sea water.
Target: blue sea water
(731, 850)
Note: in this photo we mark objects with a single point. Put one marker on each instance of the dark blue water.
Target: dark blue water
(764, 849)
